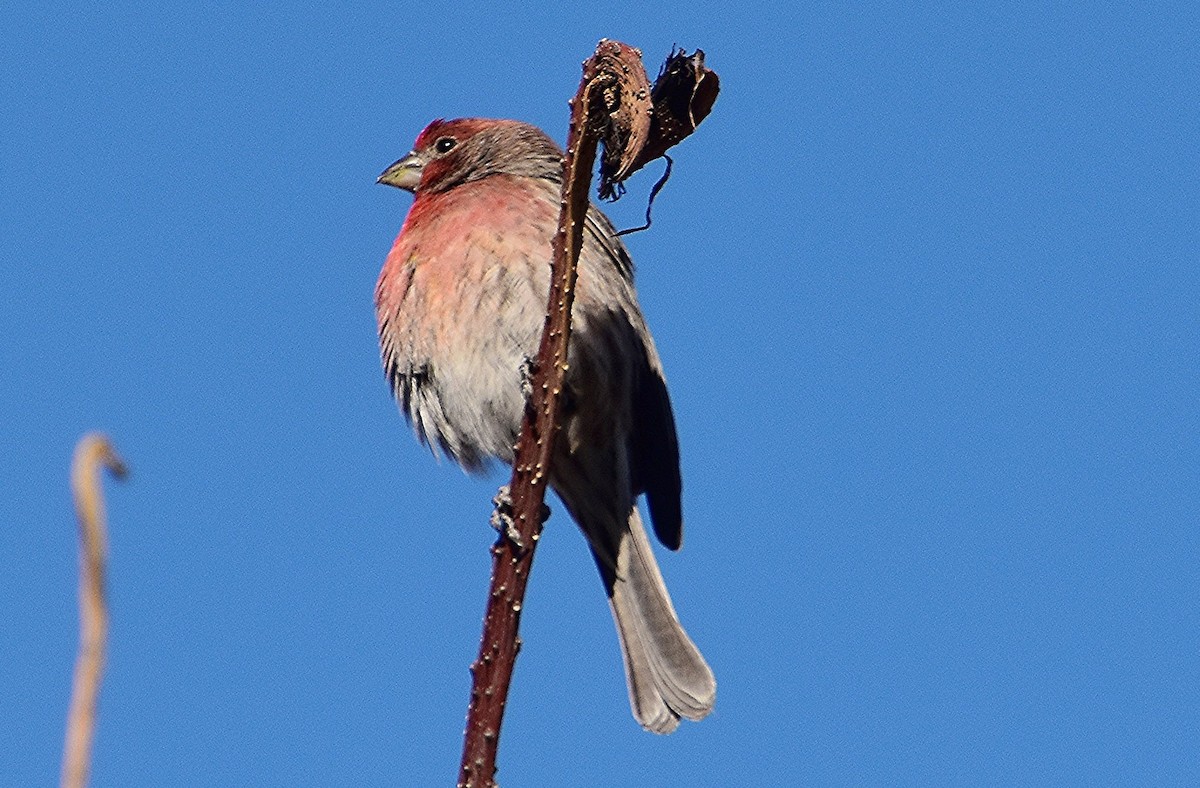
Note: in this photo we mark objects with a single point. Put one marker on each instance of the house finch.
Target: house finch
(461, 302)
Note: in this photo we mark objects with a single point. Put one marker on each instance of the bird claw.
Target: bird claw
(528, 367)
(502, 518)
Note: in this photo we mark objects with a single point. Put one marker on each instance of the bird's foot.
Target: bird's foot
(502, 518)
(528, 367)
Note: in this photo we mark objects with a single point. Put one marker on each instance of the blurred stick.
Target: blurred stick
(91, 453)
(613, 105)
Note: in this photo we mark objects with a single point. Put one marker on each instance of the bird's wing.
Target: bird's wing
(653, 444)
(654, 455)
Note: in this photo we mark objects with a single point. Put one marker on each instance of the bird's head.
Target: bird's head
(451, 152)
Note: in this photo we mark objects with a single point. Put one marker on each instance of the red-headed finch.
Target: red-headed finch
(461, 303)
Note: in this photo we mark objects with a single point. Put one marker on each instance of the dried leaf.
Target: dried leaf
(621, 94)
(683, 95)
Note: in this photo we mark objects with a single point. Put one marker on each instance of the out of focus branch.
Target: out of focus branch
(93, 452)
(613, 105)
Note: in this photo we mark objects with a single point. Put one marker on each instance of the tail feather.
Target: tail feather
(667, 676)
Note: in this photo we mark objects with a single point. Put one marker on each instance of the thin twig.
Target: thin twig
(666, 176)
(91, 453)
(510, 569)
(613, 103)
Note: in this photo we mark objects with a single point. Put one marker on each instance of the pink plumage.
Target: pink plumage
(461, 302)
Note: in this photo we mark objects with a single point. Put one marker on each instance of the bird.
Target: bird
(460, 304)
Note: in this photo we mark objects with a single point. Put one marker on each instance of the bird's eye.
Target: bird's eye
(445, 144)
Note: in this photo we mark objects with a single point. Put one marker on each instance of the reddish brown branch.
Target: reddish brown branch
(613, 104)
(91, 453)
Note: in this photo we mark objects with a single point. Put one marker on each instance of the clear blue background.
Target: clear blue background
(926, 288)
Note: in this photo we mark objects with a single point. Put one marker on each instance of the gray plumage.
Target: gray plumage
(461, 303)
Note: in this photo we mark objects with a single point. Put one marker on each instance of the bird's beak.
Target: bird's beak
(405, 173)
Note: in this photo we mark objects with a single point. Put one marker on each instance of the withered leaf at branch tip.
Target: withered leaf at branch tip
(683, 95)
(620, 98)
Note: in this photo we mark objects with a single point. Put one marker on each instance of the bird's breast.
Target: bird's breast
(460, 304)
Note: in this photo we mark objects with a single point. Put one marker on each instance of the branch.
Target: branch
(613, 105)
(92, 452)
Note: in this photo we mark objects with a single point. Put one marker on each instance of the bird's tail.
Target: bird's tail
(667, 676)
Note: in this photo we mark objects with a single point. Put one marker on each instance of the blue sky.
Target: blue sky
(925, 285)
